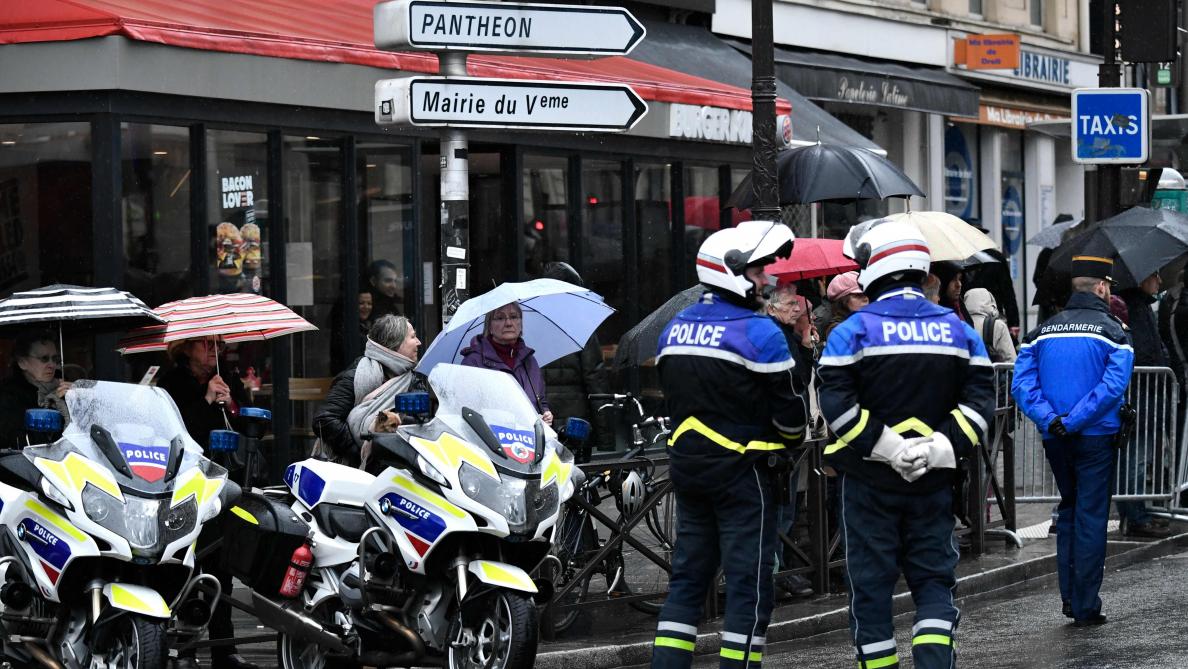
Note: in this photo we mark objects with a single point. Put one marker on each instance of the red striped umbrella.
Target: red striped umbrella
(234, 318)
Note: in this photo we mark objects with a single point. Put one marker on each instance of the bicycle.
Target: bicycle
(577, 542)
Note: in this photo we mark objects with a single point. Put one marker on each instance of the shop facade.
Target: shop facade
(173, 171)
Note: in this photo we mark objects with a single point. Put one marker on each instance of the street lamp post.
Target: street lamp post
(763, 113)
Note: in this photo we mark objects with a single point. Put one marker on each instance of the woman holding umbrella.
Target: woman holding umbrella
(502, 347)
(34, 384)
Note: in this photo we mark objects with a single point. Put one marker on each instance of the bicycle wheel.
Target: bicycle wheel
(560, 577)
(657, 532)
(572, 544)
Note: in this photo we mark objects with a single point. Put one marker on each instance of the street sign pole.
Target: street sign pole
(1109, 75)
(455, 204)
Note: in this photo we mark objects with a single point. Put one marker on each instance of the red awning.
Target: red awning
(327, 30)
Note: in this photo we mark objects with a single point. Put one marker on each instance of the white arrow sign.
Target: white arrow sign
(567, 30)
(507, 103)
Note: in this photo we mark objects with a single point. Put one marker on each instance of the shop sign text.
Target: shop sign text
(237, 192)
(1041, 67)
(860, 91)
(714, 124)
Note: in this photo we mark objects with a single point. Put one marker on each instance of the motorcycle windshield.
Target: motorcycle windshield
(145, 429)
(498, 398)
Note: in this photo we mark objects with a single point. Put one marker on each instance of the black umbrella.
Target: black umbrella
(1140, 241)
(640, 342)
(1051, 236)
(824, 172)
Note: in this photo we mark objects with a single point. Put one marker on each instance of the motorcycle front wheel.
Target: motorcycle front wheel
(496, 631)
(136, 643)
(294, 653)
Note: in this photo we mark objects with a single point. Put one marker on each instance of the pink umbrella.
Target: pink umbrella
(234, 318)
(812, 258)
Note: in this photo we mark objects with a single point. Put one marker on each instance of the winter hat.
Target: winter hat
(843, 285)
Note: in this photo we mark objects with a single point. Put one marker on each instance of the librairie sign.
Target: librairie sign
(507, 103)
(570, 30)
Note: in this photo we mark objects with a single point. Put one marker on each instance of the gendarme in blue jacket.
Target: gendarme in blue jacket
(1076, 366)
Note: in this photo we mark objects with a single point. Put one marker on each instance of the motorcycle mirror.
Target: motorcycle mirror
(224, 441)
(47, 421)
(414, 403)
(577, 429)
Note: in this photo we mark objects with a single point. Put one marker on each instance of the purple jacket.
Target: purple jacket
(481, 353)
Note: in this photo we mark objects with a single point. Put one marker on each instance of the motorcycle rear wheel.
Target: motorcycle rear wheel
(136, 643)
(502, 635)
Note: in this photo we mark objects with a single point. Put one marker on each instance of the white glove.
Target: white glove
(908, 457)
(940, 452)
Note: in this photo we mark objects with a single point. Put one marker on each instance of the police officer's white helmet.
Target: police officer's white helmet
(883, 248)
(725, 255)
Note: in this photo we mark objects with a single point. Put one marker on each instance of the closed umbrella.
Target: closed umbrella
(559, 318)
(829, 173)
(235, 317)
(812, 258)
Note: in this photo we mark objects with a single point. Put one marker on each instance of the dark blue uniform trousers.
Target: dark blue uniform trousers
(737, 528)
(1083, 467)
(887, 533)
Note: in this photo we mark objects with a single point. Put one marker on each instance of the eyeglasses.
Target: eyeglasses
(501, 317)
(46, 358)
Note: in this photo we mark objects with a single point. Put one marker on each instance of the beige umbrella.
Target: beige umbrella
(948, 237)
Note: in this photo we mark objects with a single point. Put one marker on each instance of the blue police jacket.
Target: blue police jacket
(1076, 365)
(730, 391)
(905, 365)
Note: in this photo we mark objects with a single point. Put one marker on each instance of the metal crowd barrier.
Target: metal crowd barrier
(1149, 468)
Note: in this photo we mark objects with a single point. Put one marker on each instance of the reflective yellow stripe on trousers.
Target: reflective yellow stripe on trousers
(692, 423)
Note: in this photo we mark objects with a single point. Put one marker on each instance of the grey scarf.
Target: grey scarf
(380, 367)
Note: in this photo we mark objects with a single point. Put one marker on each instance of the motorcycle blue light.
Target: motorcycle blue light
(577, 428)
(43, 420)
(413, 404)
(225, 441)
(255, 413)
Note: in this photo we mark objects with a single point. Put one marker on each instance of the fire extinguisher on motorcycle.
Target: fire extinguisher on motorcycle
(299, 566)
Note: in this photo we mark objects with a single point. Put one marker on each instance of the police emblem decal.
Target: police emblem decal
(519, 445)
(147, 462)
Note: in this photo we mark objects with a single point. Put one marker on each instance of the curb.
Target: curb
(971, 588)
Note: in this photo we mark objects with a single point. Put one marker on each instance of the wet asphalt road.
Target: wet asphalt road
(1022, 628)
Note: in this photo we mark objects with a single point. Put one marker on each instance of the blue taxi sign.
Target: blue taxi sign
(1111, 126)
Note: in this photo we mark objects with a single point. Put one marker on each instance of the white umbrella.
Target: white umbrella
(948, 237)
(559, 318)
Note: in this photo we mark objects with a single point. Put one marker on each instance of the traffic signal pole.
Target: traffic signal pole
(1109, 75)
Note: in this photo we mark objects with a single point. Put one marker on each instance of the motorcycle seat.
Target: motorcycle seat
(344, 522)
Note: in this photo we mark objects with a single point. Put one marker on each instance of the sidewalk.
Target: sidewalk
(618, 636)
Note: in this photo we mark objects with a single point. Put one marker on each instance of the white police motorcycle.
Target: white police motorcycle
(97, 532)
(424, 560)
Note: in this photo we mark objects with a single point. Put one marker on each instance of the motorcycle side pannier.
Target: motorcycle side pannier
(258, 552)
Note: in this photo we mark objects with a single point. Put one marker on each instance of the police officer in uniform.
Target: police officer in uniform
(907, 389)
(1070, 379)
(727, 377)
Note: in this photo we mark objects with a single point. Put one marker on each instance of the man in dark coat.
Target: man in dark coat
(1149, 351)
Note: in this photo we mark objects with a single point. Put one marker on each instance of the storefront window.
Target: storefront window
(703, 213)
(45, 216)
(961, 171)
(546, 213)
(385, 220)
(313, 227)
(237, 206)
(602, 239)
(155, 210)
(653, 215)
(1012, 204)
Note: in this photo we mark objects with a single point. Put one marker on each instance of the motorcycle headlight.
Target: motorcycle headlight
(507, 497)
(134, 519)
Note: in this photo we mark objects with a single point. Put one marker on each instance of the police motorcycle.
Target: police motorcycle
(97, 532)
(424, 558)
